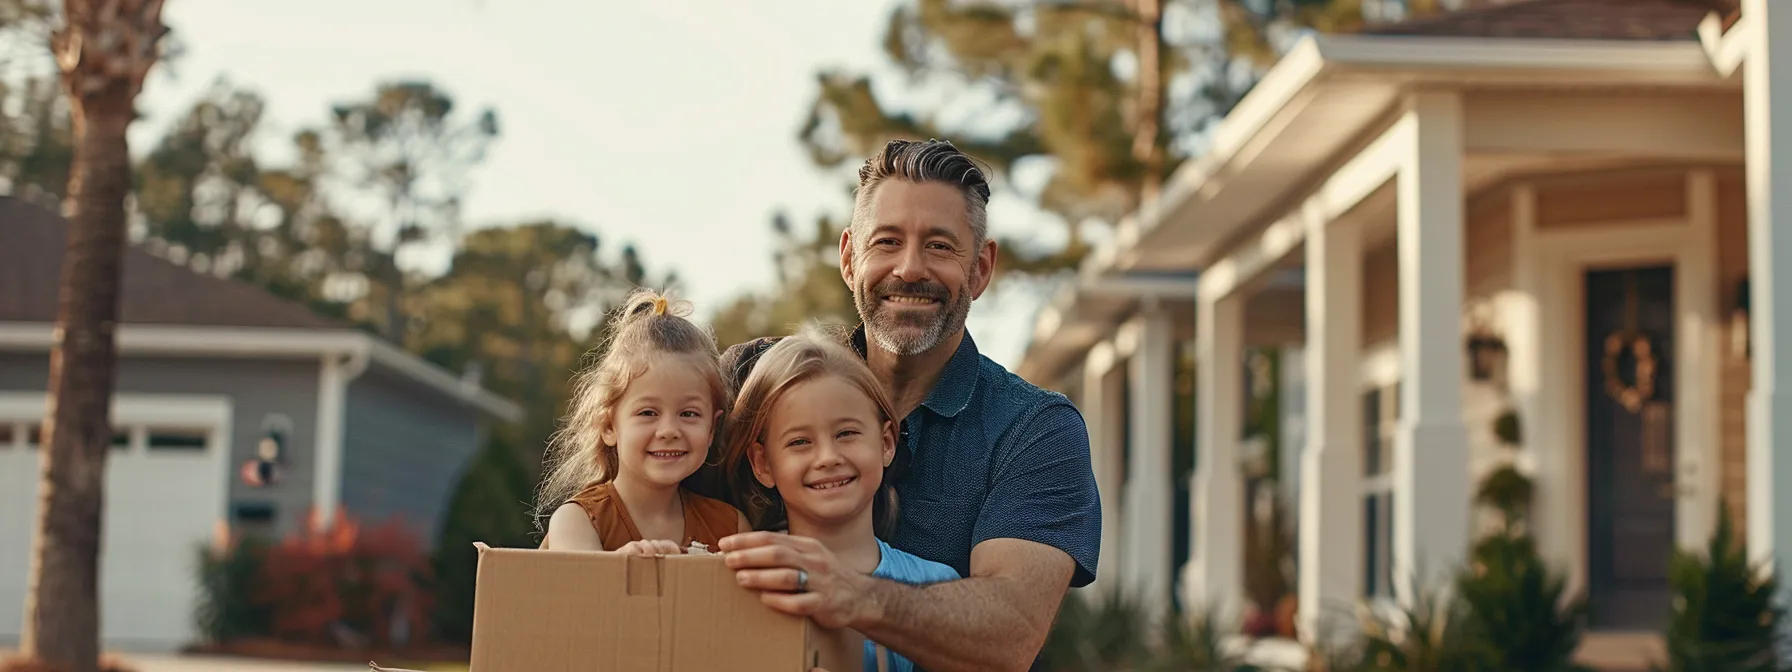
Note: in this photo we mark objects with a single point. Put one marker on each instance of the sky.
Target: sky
(671, 125)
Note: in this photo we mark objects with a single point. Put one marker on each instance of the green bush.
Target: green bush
(1097, 635)
(1427, 636)
(1516, 616)
(492, 505)
(227, 609)
(1726, 618)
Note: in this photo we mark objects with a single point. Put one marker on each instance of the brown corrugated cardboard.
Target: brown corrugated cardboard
(548, 611)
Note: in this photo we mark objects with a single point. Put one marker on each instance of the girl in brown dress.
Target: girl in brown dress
(643, 419)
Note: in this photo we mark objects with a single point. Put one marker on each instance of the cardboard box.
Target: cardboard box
(548, 611)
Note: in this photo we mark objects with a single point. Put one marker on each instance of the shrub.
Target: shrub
(1106, 635)
(365, 579)
(1516, 617)
(490, 505)
(1725, 615)
(227, 609)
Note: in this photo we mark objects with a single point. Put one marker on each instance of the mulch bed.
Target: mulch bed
(273, 649)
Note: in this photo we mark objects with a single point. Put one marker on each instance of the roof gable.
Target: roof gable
(155, 290)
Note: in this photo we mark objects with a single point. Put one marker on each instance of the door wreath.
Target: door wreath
(1630, 396)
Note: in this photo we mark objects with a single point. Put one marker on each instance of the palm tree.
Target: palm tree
(104, 49)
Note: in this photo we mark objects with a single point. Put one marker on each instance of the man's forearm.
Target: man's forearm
(970, 624)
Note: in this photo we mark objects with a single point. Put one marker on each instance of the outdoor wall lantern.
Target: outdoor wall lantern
(1739, 336)
(1485, 352)
(266, 467)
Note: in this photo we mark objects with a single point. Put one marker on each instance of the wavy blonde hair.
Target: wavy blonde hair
(808, 355)
(649, 326)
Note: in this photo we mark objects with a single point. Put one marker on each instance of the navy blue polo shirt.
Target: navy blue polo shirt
(987, 455)
(991, 456)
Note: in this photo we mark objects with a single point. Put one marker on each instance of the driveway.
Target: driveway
(180, 663)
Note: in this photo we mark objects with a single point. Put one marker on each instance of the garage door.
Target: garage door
(165, 490)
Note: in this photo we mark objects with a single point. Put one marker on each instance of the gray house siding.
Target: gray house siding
(258, 389)
(404, 450)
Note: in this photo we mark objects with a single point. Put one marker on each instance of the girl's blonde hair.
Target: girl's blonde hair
(808, 355)
(649, 326)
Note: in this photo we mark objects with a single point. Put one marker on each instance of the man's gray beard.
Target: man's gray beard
(881, 328)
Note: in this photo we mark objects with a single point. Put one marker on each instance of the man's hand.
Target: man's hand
(835, 595)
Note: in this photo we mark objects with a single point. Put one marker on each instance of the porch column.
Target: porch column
(1217, 576)
(1431, 480)
(1103, 415)
(1149, 494)
(1331, 509)
(1767, 92)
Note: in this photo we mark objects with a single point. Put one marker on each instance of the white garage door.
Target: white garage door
(166, 485)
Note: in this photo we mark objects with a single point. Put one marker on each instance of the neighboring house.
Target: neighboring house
(1573, 196)
(208, 369)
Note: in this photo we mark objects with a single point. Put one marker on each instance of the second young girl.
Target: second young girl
(642, 420)
(815, 430)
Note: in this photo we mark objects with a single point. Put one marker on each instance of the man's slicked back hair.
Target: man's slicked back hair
(917, 162)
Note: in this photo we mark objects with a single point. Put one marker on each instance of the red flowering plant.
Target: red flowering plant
(346, 583)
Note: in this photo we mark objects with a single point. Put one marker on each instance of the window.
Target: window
(1381, 412)
(8, 435)
(183, 438)
(121, 438)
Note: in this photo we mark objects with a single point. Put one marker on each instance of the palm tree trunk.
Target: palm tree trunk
(104, 52)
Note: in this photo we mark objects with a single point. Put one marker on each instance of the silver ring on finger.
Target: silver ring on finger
(802, 581)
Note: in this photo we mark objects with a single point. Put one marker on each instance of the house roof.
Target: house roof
(168, 308)
(155, 290)
(1326, 96)
(1569, 19)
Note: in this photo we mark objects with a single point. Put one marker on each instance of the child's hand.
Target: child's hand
(650, 547)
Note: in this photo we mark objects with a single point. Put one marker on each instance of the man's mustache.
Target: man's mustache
(930, 290)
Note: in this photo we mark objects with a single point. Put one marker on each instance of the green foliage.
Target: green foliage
(1107, 633)
(491, 505)
(1057, 83)
(1195, 643)
(1508, 491)
(1506, 429)
(1427, 636)
(227, 609)
(1726, 613)
(1518, 613)
(807, 286)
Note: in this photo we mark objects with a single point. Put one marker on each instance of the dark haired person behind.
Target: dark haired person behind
(993, 473)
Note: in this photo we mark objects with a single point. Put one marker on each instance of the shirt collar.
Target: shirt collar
(951, 394)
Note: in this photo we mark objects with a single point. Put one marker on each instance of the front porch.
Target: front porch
(1516, 252)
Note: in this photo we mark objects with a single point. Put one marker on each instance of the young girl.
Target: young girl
(818, 430)
(642, 420)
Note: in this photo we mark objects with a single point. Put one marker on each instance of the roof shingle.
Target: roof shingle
(155, 291)
(1568, 19)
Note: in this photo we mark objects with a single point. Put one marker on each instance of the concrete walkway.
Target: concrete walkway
(180, 663)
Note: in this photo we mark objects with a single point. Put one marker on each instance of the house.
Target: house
(1548, 209)
(210, 374)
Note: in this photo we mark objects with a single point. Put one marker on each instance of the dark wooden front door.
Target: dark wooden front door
(1630, 446)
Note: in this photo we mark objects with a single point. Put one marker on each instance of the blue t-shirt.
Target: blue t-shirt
(896, 565)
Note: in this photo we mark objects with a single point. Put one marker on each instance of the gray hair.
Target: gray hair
(930, 161)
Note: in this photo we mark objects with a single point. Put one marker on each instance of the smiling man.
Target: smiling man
(992, 473)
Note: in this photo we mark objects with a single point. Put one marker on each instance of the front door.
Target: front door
(1630, 446)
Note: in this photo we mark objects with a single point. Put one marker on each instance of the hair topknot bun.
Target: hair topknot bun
(649, 303)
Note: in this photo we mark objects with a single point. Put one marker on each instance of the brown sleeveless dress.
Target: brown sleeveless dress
(706, 520)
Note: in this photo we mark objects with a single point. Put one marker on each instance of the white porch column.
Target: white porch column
(1149, 494)
(1331, 509)
(1103, 415)
(1217, 576)
(1431, 483)
(1767, 92)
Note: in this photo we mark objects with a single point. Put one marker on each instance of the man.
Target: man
(993, 474)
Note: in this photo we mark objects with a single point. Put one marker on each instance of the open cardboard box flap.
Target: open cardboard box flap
(548, 611)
